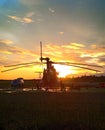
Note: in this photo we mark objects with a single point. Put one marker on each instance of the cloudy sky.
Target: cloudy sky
(71, 30)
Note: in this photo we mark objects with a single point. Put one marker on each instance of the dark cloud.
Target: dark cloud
(102, 59)
(6, 48)
(11, 54)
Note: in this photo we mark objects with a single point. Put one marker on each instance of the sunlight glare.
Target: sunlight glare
(63, 70)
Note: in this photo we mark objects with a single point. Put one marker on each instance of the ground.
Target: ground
(52, 111)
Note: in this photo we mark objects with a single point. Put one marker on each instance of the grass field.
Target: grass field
(5, 84)
(52, 111)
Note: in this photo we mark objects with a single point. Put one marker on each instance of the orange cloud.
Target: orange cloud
(61, 33)
(14, 54)
(51, 10)
(74, 46)
(75, 52)
(22, 20)
(6, 41)
(27, 20)
(56, 53)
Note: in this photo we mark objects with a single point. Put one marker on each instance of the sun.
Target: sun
(63, 70)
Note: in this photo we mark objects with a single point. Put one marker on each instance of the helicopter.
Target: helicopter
(50, 79)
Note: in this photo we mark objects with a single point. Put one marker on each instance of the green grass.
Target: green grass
(52, 111)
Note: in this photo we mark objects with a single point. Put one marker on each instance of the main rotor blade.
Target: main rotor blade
(69, 65)
(82, 67)
(22, 64)
(38, 72)
(16, 68)
(81, 64)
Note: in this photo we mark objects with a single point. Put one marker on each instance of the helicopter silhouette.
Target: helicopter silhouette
(50, 78)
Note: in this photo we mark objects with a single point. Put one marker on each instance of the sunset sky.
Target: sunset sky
(70, 30)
